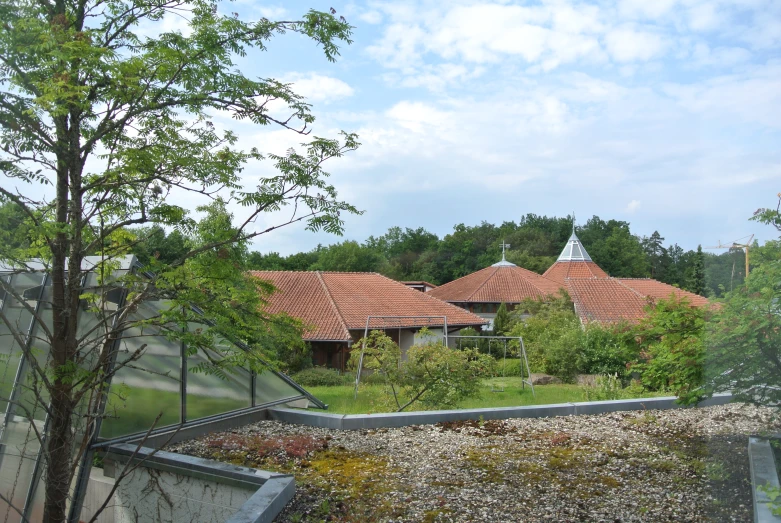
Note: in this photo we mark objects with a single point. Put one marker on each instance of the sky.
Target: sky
(663, 113)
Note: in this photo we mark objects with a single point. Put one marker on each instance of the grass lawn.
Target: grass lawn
(370, 397)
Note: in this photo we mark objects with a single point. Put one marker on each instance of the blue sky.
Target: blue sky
(663, 113)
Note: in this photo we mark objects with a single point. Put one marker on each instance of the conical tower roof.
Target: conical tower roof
(574, 250)
(574, 262)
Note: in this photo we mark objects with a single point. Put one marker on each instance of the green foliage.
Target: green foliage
(744, 339)
(696, 283)
(118, 121)
(321, 377)
(441, 377)
(671, 347)
(552, 337)
(348, 256)
(433, 373)
(609, 387)
(608, 349)
(558, 344)
(502, 321)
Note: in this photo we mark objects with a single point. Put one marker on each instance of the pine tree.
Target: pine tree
(697, 279)
(502, 321)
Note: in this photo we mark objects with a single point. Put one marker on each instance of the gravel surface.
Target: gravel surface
(673, 465)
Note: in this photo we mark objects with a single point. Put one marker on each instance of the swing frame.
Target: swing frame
(521, 356)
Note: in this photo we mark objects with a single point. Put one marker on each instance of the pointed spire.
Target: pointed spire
(574, 250)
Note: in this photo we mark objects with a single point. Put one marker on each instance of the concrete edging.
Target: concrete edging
(763, 473)
(403, 419)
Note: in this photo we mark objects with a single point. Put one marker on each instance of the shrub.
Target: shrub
(321, 377)
(672, 349)
(509, 367)
(609, 387)
(607, 350)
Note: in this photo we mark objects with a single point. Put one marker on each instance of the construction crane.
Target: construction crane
(736, 245)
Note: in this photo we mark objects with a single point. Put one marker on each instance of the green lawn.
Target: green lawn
(340, 399)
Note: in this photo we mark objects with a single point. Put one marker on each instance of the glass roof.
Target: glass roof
(163, 377)
(574, 251)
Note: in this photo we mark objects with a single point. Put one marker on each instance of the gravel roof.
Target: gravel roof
(673, 465)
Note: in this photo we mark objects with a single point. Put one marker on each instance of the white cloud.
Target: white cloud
(629, 45)
(371, 17)
(632, 206)
(318, 88)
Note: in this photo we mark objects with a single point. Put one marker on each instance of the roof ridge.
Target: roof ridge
(334, 306)
(425, 294)
(643, 296)
(531, 280)
(484, 281)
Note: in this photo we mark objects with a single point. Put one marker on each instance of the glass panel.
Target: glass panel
(39, 353)
(209, 394)
(19, 451)
(270, 387)
(148, 386)
(19, 317)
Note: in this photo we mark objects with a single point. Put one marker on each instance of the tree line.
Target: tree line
(535, 243)
(418, 254)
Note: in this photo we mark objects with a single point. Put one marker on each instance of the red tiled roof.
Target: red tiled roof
(658, 290)
(605, 300)
(561, 271)
(612, 300)
(496, 284)
(333, 303)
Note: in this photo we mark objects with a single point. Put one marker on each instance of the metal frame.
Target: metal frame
(399, 326)
(521, 356)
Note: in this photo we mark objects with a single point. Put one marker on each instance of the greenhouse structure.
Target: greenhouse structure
(164, 379)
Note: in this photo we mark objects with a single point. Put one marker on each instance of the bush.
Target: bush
(607, 350)
(322, 377)
(609, 388)
(509, 367)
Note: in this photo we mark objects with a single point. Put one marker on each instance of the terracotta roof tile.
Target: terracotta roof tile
(605, 300)
(303, 295)
(496, 284)
(659, 290)
(612, 300)
(336, 302)
(561, 271)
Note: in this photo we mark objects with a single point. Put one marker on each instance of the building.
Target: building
(335, 307)
(595, 295)
(483, 291)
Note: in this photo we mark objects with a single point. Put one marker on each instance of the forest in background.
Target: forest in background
(417, 254)
(535, 243)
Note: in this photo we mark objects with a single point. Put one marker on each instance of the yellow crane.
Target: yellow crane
(736, 245)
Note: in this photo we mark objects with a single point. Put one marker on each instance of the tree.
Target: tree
(656, 254)
(696, 282)
(102, 126)
(744, 338)
(348, 256)
(502, 321)
(672, 349)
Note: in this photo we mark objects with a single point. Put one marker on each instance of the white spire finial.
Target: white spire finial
(504, 246)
